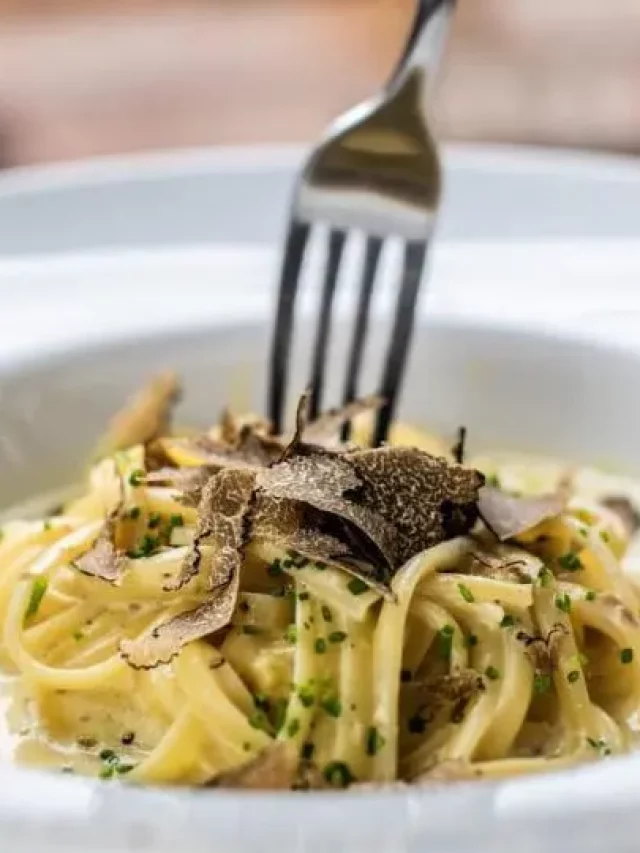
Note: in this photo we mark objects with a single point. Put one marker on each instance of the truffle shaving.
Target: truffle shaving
(103, 560)
(163, 643)
(222, 511)
(625, 510)
(274, 769)
(145, 418)
(508, 516)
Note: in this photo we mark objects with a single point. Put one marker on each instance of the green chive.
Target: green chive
(492, 480)
(466, 593)
(626, 655)
(134, 513)
(279, 713)
(258, 720)
(544, 576)
(470, 641)
(107, 772)
(338, 774)
(274, 570)
(541, 683)
(605, 536)
(357, 586)
(136, 477)
(591, 595)
(320, 646)
(337, 637)
(291, 634)
(507, 621)
(77, 636)
(46, 526)
(306, 695)
(293, 728)
(563, 602)
(38, 590)
(332, 706)
(303, 596)
(373, 741)
(154, 520)
(176, 520)
(327, 615)
(492, 673)
(573, 676)
(570, 562)
(445, 642)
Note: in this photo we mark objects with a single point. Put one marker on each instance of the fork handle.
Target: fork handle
(426, 40)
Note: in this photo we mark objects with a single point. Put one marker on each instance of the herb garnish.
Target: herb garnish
(373, 741)
(339, 774)
(570, 561)
(563, 602)
(466, 593)
(357, 586)
(38, 590)
(626, 655)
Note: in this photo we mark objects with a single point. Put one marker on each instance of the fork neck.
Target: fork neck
(426, 41)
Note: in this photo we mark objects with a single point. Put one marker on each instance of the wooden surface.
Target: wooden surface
(105, 76)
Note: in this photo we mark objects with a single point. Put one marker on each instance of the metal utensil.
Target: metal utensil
(376, 171)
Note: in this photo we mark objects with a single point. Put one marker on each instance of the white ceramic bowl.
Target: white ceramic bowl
(514, 383)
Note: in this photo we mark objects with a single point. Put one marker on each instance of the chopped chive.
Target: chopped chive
(583, 532)
(541, 683)
(306, 695)
(573, 676)
(332, 706)
(339, 774)
(320, 646)
(107, 755)
(77, 636)
(38, 590)
(605, 536)
(291, 634)
(261, 702)
(134, 513)
(258, 720)
(626, 655)
(545, 577)
(154, 520)
(570, 561)
(445, 641)
(466, 593)
(470, 641)
(373, 741)
(337, 637)
(275, 569)
(507, 621)
(136, 477)
(279, 713)
(600, 745)
(46, 527)
(591, 595)
(492, 673)
(176, 520)
(563, 602)
(492, 480)
(303, 596)
(107, 772)
(121, 769)
(327, 615)
(357, 586)
(293, 727)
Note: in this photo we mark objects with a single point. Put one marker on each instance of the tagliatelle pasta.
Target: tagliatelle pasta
(239, 609)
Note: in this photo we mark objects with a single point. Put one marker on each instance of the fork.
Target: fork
(376, 171)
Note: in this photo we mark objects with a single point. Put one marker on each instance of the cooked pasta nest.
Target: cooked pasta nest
(234, 608)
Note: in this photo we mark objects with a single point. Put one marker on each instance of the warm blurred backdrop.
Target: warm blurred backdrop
(97, 77)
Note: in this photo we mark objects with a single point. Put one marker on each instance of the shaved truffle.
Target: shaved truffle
(103, 560)
(325, 428)
(386, 504)
(222, 511)
(625, 510)
(274, 769)
(145, 418)
(508, 516)
(163, 643)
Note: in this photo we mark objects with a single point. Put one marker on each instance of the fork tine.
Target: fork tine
(414, 257)
(371, 258)
(281, 344)
(336, 245)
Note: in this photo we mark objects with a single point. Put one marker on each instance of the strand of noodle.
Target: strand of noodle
(388, 643)
(511, 595)
(172, 759)
(299, 718)
(330, 584)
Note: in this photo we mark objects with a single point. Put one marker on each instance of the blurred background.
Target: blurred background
(81, 78)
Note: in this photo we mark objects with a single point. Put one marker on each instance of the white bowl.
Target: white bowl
(515, 383)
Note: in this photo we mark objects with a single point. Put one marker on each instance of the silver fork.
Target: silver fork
(376, 171)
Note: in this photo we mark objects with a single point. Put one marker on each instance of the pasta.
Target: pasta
(208, 611)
